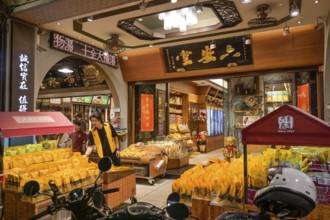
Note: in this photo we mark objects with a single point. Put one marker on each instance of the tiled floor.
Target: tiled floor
(157, 194)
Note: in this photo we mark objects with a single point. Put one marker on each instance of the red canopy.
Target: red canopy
(17, 124)
(288, 125)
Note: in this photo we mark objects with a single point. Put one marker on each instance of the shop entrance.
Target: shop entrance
(74, 85)
(184, 109)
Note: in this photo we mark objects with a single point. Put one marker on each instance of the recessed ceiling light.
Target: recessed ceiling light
(174, 1)
(294, 12)
(246, 1)
(298, 22)
(140, 19)
(316, 1)
(65, 70)
(90, 18)
(58, 23)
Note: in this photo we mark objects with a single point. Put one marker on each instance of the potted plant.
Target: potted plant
(202, 140)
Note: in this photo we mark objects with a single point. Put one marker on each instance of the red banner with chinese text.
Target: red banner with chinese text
(147, 112)
(303, 97)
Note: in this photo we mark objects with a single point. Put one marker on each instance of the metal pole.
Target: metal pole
(245, 173)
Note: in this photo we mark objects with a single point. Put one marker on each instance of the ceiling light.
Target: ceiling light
(298, 22)
(58, 23)
(140, 19)
(248, 40)
(286, 30)
(320, 23)
(143, 5)
(198, 8)
(181, 18)
(316, 1)
(65, 70)
(294, 11)
(174, 1)
(90, 18)
(246, 1)
(151, 45)
(213, 45)
(105, 53)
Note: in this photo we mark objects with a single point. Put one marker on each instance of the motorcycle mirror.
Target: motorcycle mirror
(173, 198)
(98, 198)
(31, 188)
(105, 164)
(178, 211)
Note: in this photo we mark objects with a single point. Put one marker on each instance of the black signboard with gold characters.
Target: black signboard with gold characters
(229, 52)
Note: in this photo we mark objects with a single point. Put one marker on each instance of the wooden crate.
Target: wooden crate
(127, 189)
(151, 163)
(17, 208)
(321, 212)
(217, 210)
(110, 177)
(200, 208)
(177, 162)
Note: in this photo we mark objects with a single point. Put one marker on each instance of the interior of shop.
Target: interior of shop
(194, 120)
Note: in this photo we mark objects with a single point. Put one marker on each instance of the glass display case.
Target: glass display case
(277, 94)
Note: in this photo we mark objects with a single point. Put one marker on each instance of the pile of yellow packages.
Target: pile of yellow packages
(60, 165)
(226, 179)
(139, 151)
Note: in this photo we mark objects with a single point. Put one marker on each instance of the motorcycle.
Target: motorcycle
(89, 204)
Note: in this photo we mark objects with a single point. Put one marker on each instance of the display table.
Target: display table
(175, 163)
(146, 169)
(20, 207)
(125, 181)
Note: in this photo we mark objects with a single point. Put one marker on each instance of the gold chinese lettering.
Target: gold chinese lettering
(207, 55)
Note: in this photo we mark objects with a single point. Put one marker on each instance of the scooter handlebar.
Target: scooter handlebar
(40, 215)
(106, 191)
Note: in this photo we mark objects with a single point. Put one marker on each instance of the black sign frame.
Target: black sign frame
(70, 45)
(228, 52)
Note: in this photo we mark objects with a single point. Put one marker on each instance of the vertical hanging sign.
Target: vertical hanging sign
(22, 76)
(24, 72)
(147, 112)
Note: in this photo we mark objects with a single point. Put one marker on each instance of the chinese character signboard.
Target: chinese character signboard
(147, 112)
(229, 52)
(22, 81)
(303, 97)
(70, 45)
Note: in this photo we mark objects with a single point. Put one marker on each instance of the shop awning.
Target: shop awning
(288, 125)
(18, 124)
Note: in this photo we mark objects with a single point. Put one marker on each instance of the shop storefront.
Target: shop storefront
(262, 83)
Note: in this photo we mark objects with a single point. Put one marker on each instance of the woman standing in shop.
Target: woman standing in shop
(79, 138)
(104, 137)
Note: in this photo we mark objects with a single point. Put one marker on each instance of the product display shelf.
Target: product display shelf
(20, 207)
(124, 180)
(146, 169)
(179, 162)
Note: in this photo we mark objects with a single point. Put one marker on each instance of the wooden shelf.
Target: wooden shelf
(242, 96)
(176, 104)
(277, 102)
(239, 127)
(243, 111)
(176, 113)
